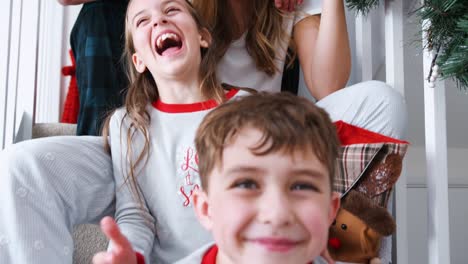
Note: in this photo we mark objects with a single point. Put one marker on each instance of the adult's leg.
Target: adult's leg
(46, 187)
(374, 106)
(371, 105)
(97, 42)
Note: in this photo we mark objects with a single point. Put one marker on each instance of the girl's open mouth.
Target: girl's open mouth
(167, 43)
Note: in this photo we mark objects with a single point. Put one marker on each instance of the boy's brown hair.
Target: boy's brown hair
(287, 122)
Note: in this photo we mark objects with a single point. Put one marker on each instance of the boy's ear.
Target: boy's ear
(202, 208)
(138, 63)
(335, 203)
(205, 38)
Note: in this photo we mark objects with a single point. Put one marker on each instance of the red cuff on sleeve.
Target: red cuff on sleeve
(140, 258)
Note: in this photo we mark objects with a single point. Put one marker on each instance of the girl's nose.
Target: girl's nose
(159, 21)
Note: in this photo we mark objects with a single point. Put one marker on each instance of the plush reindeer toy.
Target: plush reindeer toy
(359, 227)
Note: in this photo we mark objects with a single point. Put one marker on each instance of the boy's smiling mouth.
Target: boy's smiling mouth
(167, 43)
(275, 244)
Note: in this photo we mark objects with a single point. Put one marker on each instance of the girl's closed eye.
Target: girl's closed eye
(141, 20)
(172, 10)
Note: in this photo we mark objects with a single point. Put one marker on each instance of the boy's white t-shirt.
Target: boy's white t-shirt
(238, 68)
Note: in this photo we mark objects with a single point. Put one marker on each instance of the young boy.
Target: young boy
(266, 163)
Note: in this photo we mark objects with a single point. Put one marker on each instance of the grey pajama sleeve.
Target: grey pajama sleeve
(46, 187)
(133, 217)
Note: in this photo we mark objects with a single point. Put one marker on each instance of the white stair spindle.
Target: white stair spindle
(27, 76)
(395, 78)
(364, 47)
(5, 29)
(436, 162)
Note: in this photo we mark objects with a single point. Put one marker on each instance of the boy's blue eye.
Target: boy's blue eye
(245, 184)
(304, 187)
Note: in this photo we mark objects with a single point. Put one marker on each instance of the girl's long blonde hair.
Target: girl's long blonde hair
(142, 91)
(264, 31)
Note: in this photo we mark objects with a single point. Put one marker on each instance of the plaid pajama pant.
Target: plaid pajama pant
(97, 41)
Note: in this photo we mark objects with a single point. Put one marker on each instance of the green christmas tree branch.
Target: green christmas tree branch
(362, 6)
(447, 33)
(448, 29)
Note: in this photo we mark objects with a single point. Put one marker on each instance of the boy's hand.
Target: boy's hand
(287, 5)
(122, 251)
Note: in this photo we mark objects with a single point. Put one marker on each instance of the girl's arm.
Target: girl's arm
(133, 217)
(323, 49)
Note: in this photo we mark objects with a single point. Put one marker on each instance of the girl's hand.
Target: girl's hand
(122, 251)
(287, 5)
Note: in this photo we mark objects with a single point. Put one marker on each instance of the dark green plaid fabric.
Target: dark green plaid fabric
(97, 41)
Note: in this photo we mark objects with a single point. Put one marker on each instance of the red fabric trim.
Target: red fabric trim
(140, 258)
(72, 102)
(210, 255)
(350, 135)
(187, 108)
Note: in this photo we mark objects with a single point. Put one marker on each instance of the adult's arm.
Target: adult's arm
(323, 49)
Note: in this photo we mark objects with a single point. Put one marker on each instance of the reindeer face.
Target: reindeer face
(351, 240)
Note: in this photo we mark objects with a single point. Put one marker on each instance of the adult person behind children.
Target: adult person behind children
(97, 43)
(251, 39)
(50, 185)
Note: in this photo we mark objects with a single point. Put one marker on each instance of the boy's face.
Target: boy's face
(274, 208)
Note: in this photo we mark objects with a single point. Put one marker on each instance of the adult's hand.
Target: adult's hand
(121, 252)
(287, 5)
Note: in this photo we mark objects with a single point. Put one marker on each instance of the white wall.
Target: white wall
(417, 225)
(417, 205)
(18, 77)
(457, 140)
(55, 27)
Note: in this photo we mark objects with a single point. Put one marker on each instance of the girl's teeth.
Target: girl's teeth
(159, 42)
(165, 36)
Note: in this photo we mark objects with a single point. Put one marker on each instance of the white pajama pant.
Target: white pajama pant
(47, 186)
